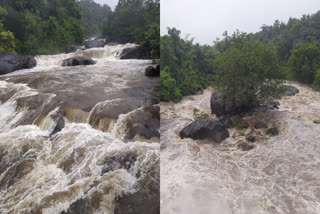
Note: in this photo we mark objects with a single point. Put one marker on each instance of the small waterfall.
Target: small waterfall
(108, 53)
(58, 149)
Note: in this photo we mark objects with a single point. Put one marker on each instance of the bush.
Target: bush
(316, 79)
(201, 116)
(247, 72)
(304, 61)
(169, 90)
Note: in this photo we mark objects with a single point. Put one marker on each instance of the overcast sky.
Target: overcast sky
(111, 3)
(208, 19)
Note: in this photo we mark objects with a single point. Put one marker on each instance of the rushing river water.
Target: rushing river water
(81, 139)
(279, 176)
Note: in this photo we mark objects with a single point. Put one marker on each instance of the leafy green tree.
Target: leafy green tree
(247, 72)
(168, 90)
(316, 80)
(6, 37)
(93, 17)
(43, 27)
(304, 61)
(136, 21)
(190, 65)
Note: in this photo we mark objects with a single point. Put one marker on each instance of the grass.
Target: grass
(201, 117)
(237, 123)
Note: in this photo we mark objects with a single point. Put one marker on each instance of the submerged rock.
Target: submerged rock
(244, 146)
(129, 53)
(71, 49)
(205, 129)
(152, 72)
(144, 122)
(97, 43)
(200, 92)
(260, 125)
(272, 131)
(119, 161)
(59, 123)
(289, 90)
(79, 60)
(10, 62)
(251, 138)
(105, 114)
(219, 105)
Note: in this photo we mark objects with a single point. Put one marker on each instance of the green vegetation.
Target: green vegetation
(190, 65)
(304, 61)
(168, 90)
(247, 71)
(201, 116)
(242, 133)
(93, 17)
(238, 123)
(40, 26)
(247, 68)
(6, 37)
(136, 21)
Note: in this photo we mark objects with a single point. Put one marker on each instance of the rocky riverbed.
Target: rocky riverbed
(81, 139)
(278, 173)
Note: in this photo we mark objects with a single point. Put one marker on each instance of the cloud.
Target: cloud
(208, 19)
(111, 3)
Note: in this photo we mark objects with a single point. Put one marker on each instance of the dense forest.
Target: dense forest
(39, 27)
(281, 51)
(46, 27)
(93, 17)
(136, 21)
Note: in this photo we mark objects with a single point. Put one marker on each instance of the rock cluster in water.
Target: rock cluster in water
(78, 60)
(205, 129)
(10, 62)
(152, 71)
(96, 43)
(129, 53)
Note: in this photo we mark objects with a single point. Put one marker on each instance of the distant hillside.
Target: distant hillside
(93, 17)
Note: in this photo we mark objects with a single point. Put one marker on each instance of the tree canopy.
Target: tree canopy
(136, 21)
(42, 27)
(93, 17)
(190, 65)
(247, 71)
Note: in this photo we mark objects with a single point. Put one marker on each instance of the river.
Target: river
(76, 140)
(279, 176)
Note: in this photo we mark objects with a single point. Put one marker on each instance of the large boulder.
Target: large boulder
(71, 49)
(144, 122)
(205, 129)
(152, 72)
(97, 43)
(79, 60)
(10, 62)
(129, 53)
(219, 106)
(289, 90)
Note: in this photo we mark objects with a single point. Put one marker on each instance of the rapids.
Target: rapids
(66, 139)
(279, 176)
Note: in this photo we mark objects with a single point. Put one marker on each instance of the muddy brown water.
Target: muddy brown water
(89, 165)
(280, 175)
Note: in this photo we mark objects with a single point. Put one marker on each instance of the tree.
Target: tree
(136, 21)
(168, 90)
(6, 37)
(93, 17)
(190, 65)
(304, 61)
(247, 72)
(42, 27)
